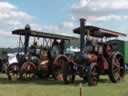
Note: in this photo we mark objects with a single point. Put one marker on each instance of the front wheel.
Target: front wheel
(27, 70)
(13, 71)
(92, 74)
(68, 73)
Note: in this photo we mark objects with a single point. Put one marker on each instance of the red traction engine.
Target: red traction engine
(93, 59)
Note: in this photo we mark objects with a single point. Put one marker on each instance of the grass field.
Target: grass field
(57, 88)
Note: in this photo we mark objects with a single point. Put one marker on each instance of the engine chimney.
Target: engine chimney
(26, 41)
(82, 33)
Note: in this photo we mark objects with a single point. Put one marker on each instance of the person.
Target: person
(33, 49)
(33, 55)
(95, 45)
(88, 47)
(55, 42)
(62, 47)
(107, 50)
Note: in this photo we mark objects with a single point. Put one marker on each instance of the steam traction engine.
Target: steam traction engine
(93, 59)
(38, 59)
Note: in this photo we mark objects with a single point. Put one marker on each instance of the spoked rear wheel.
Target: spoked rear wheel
(92, 74)
(116, 67)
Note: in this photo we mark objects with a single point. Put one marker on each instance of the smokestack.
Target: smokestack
(82, 33)
(26, 39)
(82, 22)
(27, 27)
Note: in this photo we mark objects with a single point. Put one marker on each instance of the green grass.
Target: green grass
(57, 88)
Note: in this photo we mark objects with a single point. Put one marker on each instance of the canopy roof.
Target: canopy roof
(42, 34)
(99, 32)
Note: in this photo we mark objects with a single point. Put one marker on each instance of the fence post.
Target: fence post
(81, 91)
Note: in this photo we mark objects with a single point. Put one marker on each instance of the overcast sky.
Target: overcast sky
(59, 16)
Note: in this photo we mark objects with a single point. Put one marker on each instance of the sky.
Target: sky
(60, 16)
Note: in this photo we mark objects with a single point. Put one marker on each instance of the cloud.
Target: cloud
(68, 24)
(64, 28)
(10, 16)
(106, 18)
(83, 3)
(102, 4)
(45, 28)
(6, 5)
(6, 34)
(99, 10)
